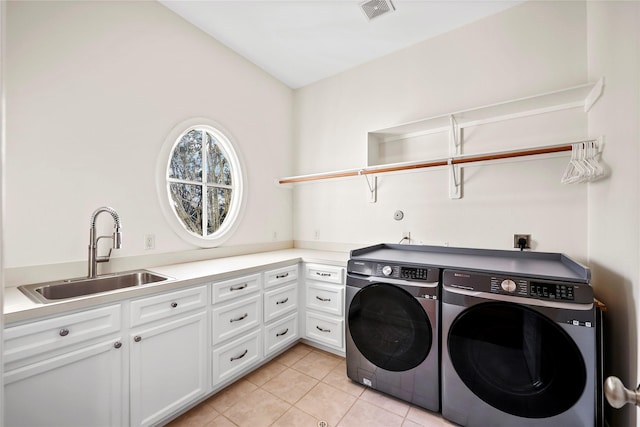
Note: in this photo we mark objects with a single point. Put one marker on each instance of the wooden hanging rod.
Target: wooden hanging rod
(433, 163)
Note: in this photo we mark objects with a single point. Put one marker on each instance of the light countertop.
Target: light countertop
(18, 307)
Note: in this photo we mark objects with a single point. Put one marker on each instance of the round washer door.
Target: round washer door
(516, 359)
(389, 327)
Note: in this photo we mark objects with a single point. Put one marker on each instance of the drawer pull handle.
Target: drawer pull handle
(322, 330)
(239, 357)
(237, 319)
(282, 276)
(117, 344)
(137, 338)
(321, 274)
(279, 334)
(174, 304)
(323, 299)
(64, 332)
(237, 288)
(282, 301)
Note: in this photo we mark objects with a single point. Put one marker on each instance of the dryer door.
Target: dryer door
(516, 359)
(389, 327)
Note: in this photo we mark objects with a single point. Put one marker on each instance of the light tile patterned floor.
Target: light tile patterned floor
(302, 388)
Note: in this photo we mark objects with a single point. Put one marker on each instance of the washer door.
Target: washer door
(516, 360)
(389, 327)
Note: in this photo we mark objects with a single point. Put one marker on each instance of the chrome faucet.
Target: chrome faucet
(94, 259)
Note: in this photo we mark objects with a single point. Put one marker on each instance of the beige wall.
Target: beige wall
(529, 49)
(614, 203)
(93, 89)
(506, 56)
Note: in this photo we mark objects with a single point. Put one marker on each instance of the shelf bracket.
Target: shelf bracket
(594, 95)
(455, 180)
(455, 149)
(372, 196)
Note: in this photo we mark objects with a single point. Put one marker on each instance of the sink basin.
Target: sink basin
(73, 288)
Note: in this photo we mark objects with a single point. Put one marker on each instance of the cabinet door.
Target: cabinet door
(325, 329)
(229, 320)
(280, 334)
(325, 297)
(168, 367)
(83, 387)
(280, 301)
(236, 357)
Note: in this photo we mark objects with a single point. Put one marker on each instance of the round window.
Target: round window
(202, 182)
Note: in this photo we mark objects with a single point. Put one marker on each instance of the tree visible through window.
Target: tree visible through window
(200, 180)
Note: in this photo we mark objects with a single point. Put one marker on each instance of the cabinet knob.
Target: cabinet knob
(117, 344)
(137, 338)
(174, 304)
(64, 332)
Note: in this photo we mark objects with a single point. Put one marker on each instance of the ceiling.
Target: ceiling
(302, 41)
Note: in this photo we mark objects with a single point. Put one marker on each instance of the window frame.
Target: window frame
(163, 182)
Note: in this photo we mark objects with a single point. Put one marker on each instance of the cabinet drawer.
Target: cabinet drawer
(233, 358)
(280, 301)
(325, 297)
(161, 306)
(234, 318)
(324, 273)
(280, 334)
(47, 335)
(325, 329)
(280, 276)
(224, 291)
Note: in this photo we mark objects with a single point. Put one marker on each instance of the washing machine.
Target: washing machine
(520, 351)
(392, 337)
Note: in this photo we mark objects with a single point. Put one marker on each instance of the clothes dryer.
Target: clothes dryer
(519, 351)
(392, 331)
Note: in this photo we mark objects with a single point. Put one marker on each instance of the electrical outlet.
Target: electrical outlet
(149, 241)
(316, 235)
(526, 237)
(406, 236)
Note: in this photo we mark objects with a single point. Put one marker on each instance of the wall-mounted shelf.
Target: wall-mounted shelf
(448, 128)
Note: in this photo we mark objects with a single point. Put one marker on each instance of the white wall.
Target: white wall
(93, 89)
(2, 203)
(532, 48)
(527, 50)
(614, 203)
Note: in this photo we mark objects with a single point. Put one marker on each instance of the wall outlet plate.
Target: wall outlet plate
(149, 241)
(526, 237)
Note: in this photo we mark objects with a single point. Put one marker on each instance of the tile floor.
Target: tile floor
(304, 387)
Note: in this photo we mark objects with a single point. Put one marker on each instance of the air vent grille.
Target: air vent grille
(374, 8)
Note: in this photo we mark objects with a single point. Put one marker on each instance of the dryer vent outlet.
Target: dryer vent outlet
(522, 241)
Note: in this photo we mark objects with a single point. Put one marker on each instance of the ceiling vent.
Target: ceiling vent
(374, 8)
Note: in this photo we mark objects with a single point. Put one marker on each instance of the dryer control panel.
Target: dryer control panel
(394, 271)
(519, 286)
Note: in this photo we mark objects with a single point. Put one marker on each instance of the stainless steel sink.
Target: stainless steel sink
(65, 289)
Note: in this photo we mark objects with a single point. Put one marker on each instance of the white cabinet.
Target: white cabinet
(231, 319)
(280, 333)
(280, 308)
(168, 350)
(141, 361)
(235, 326)
(280, 301)
(236, 357)
(66, 371)
(234, 288)
(324, 304)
